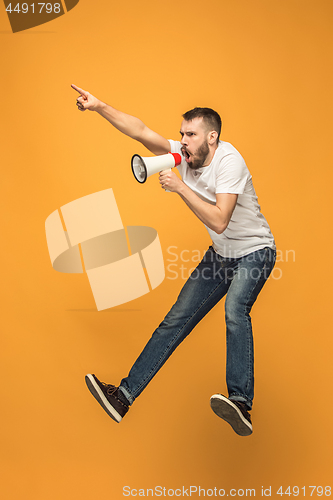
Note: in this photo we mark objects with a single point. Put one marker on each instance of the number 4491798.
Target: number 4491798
(316, 491)
(24, 8)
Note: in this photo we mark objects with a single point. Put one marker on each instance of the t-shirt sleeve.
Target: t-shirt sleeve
(175, 147)
(232, 175)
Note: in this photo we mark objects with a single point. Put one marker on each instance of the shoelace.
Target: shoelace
(110, 389)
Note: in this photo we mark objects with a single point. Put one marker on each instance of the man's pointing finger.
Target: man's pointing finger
(81, 91)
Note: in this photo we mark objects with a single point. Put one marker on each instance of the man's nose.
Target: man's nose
(183, 142)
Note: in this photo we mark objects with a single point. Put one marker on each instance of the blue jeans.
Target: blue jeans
(241, 279)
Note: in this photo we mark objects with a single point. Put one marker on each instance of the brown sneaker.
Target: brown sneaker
(108, 396)
(233, 412)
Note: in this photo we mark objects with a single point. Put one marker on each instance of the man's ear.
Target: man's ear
(212, 137)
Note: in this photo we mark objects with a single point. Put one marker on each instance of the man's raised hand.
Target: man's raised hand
(86, 100)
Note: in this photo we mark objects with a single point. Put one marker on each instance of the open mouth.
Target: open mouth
(186, 155)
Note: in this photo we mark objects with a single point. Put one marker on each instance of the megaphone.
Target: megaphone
(143, 167)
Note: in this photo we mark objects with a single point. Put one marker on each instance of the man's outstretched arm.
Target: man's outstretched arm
(127, 124)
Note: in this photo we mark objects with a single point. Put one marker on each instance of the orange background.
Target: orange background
(266, 66)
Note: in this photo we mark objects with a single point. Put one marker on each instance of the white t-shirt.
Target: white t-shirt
(248, 229)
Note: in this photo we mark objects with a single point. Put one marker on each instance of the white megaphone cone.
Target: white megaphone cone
(143, 167)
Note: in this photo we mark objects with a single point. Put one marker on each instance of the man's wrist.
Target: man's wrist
(182, 188)
(100, 107)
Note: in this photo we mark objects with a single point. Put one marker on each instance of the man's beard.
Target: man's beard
(199, 157)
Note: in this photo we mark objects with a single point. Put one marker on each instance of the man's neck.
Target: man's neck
(210, 156)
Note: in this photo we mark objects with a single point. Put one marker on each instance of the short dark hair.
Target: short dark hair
(209, 116)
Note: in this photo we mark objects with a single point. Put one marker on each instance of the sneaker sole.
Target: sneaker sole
(101, 399)
(225, 409)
